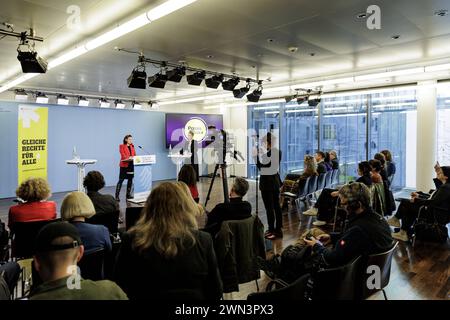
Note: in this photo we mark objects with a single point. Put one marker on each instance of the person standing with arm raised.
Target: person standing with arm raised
(127, 152)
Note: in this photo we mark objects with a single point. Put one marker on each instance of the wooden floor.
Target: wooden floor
(422, 272)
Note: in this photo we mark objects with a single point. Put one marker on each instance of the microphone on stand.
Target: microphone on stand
(140, 147)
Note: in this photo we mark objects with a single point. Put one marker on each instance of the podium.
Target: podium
(179, 159)
(81, 164)
(143, 180)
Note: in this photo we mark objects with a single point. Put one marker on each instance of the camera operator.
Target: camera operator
(270, 183)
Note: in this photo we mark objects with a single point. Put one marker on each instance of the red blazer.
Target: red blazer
(125, 154)
(32, 211)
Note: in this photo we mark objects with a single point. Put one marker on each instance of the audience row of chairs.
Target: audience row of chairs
(355, 280)
(312, 185)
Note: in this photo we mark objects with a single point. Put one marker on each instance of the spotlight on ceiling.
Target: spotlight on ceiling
(104, 103)
(83, 102)
(153, 105)
(214, 82)
(241, 92)
(119, 104)
(136, 105)
(176, 74)
(313, 102)
(157, 81)
(230, 84)
(21, 95)
(137, 79)
(301, 99)
(196, 78)
(256, 94)
(41, 98)
(61, 99)
(31, 62)
(289, 98)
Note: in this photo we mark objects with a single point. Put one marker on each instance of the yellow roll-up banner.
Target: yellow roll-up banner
(32, 142)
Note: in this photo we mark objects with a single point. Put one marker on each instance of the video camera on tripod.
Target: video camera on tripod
(222, 146)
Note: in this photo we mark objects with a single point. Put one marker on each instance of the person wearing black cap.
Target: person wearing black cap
(57, 252)
(408, 210)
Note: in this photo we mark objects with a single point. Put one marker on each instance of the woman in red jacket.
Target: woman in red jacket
(127, 153)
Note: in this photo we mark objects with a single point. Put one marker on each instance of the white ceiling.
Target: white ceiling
(235, 33)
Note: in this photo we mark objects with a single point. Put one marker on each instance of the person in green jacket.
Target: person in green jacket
(58, 249)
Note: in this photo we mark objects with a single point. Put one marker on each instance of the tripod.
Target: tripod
(223, 170)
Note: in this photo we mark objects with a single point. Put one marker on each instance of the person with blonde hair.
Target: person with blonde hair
(293, 182)
(165, 256)
(76, 208)
(33, 194)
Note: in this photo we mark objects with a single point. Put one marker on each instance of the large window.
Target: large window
(356, 124)
(443, 125)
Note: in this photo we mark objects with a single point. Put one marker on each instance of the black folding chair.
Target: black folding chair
(383, 262)
(92, 265)
(335, 283)
(23, 236)
(278, 290)
(132, 215)
(109, 220)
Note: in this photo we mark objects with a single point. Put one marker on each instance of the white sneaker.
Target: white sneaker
(319, 223)
(401, 235)
(394, 222)
(311, 212)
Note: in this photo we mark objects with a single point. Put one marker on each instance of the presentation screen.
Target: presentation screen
(178, 126)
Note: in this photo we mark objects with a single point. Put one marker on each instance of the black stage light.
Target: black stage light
(176, 74)
(301, 99)
(31, 62)
(157, 81)
(255, 95)
(313, 102)
(137, 79)
(214, 82)
(230, 84)
(196, 78)
(241, 92)
(289, 98)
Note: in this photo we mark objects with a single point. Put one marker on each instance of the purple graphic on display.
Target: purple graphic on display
(177, 125)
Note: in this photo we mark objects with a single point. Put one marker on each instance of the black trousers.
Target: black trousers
(408, 213)
(11, 274)
(122, 176)
(271, 199)
(326, 205)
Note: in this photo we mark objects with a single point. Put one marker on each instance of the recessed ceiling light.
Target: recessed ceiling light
(210, 56)
(312, 54)
(361, 15)
(395, 37)
(441, 13)
(270, 40)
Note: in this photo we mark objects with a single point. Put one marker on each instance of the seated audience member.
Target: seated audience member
(35, 207)
(327, 200)
(58, 250)
(327, 162)
(104, 204)
(11, 273)
(293, 182)
(165, 256)
(334, 160)
(320, 159)
(236, 209)
(380, 157)
(366, 233)
(376, 169)
(76, 208)
(390, 164)
(365, 173)
(200, 215)
(189, 177)
(408, 210)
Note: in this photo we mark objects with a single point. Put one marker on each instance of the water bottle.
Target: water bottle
(75, 154)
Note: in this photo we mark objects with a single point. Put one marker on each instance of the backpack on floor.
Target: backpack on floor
(431, 232)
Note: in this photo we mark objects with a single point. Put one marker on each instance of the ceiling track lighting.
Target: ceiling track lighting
(83, 102)
(241, 92)
(256, 94)
(119, 104)
(176, 74)
(20, 95)
(62, 100)
(136, 105)
(196, 78)
(214, 82)
(104, 103)
(41, 98)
